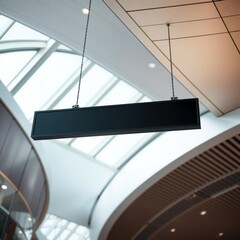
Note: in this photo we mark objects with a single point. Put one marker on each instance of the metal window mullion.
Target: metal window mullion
(33, 65)
(124, 160)
(92, 102)
(7, 29)
(20, 45)
(137, 97)
(72, 231)
(143, 96)
(62, 228)
(73, 79)
(53, 226)
(104, 90)
(101, 146)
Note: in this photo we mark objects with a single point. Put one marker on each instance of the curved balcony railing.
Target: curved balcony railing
(23, 183)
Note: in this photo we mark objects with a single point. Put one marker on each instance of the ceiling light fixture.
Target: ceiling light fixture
(116, 119)
(151, 65)
(85, 11)
(173, 230)
(4, 187)
(202, 213)
(220, 234)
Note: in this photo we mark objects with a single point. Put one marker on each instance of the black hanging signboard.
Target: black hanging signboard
(117, 119)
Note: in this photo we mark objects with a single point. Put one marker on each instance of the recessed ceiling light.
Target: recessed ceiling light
(85, 11)
(4, 187)
(203, 213)
(220, 234)
(173, 230)
(151, 65)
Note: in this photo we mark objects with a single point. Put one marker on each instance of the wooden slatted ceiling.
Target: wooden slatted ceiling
(182, 183)
(223, 215)
(225, 206)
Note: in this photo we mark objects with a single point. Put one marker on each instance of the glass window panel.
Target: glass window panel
(49, 222)
(4, 24)
(152, 151)
(13, 62)
(64, 48)
(82, 230)
(3, 221)
(64, 234)
(46, 81)
(28, 234)
(94, 80)
(145, 99)
(44, 230)
(21, 32)
(20, 212)
(53, 233)
(74, 237)
(71, 225)
(7, 193)
(65, 140)
(62, 223)
(120, 94)
(89, 144)
(92, 83)
(63, 228)
(119, 147)
(68, 100)
(19, 234)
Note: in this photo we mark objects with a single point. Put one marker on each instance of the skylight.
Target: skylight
(11, 64)
(47, 78)
(5, 24)
(114, 155)
(46, 81)
(57, 228)
(21, 32)
(43, 74)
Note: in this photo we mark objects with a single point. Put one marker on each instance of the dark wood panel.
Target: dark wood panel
(20, 163)
(5, 122)
(14, 154)
(32, 180)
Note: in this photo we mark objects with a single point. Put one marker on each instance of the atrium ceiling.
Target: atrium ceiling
(127, 61)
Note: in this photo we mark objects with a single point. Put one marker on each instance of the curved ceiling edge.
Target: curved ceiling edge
(188, 203)
(142, 172)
